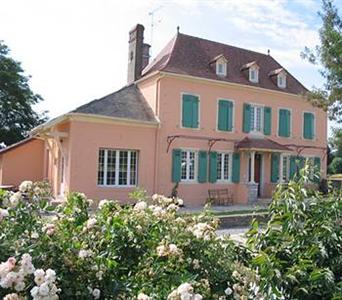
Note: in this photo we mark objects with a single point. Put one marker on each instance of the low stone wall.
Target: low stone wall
(241, 220)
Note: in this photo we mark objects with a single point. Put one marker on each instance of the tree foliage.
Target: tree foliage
(17, 116)
(329, 55)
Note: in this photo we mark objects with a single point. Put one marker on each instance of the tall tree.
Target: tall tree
(17, 116)
(329, 55)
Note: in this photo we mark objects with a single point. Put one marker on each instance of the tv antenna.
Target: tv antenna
(151, 14)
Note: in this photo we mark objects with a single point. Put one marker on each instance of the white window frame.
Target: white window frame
(224, 68)
(181, 111)
(287, 168)
(230, 167)
(256, 72)
(117, 168)
(281, 80)
(187, 179)
(253, 106)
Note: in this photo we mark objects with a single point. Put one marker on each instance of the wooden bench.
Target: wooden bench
(220, 196)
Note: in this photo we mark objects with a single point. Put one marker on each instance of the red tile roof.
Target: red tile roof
(261, 144)
(190, 55)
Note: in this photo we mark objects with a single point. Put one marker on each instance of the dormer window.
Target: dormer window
(221, 68)
(251, 71)
(281, 80)
(253, 74)
(220, 65)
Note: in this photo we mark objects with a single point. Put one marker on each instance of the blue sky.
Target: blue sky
(76, 50)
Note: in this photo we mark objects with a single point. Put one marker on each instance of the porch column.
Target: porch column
(281, 168)
(252, 166)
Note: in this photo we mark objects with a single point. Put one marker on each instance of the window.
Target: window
(256, 116)
(253, 74)
(308, 125)
(286, 168)
(223, 166)
(225, 115)
(281, 80)
(190, 111)
(117, 167)
(284, 123)
(188, 165)
(221, 68)
(311, 163)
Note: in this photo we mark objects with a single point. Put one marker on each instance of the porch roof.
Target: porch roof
(261, 144)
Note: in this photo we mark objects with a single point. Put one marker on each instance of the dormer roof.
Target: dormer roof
(249, 65)
(188, 55)
(276, 72)
(218, 57)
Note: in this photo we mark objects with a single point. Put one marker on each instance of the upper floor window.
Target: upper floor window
(308, 125)
(188, 165)
(225, 115)
(117, 167)
(254, 74)
(284, 123)
(281, 80)
(190, 111)
(256, 117)
(221, 68)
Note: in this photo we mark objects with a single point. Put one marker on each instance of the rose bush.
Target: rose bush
(145, 251)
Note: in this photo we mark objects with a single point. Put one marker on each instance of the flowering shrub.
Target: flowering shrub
(299, 253)
(146, 251)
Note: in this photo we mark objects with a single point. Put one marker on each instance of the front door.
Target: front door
(257, 171)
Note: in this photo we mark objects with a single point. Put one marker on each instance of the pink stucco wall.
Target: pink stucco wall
(24, 162)
(86, 138)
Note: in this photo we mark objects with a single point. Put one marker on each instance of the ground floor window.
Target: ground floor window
(223, 166)
(117, 167)
(286, 168)
(188, 165)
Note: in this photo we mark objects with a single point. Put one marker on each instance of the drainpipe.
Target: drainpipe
(156, 143)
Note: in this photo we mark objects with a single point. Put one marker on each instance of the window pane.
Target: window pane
(123, 155)
(100, 172)
(258, 119)
(219, 166)
(183, 165)
(285, 168)
(192, 166)
(133, 171)
(111, 167)
(226, 167)
(252, 118)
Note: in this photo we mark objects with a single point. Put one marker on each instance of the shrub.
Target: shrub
(298, 254)
(145, 251)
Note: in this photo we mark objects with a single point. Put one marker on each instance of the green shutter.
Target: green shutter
(292, 166)
(202, 166)
(284, 127)
(317, 162)
(176, 165)
(195, 105)
(190, 108)
(267, 120)
(213, 167)
(225, 115)
(246, 126)
(308, 126)
(236, 168)
(275, 160)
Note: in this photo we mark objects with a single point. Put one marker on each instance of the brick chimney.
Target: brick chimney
(138, 53)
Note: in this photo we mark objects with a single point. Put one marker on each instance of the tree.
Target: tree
(17, 116)
(329, 55)
(336, 166)
(336, 142)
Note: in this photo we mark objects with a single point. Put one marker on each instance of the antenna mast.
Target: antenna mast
(151, 14)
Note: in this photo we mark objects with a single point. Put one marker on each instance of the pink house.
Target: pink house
(202, 114)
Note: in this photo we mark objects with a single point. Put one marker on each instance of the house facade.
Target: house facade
(203, 115)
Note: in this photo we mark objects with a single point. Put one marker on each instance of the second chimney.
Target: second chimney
(138, 53)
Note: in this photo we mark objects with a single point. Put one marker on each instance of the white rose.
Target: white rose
(172, 207)
(34, 291)
(173, 249)
(96, 293)
(20, 286)
(25, 186)
(44, 289)
(50, 275)
(228, 291)
(185, 288)
(12, 296)
(180, 202)
(141, 205)
(91, 223)
(197, 297)
(14, 199)
(3, 213)
(102, 203)
(142, 296)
